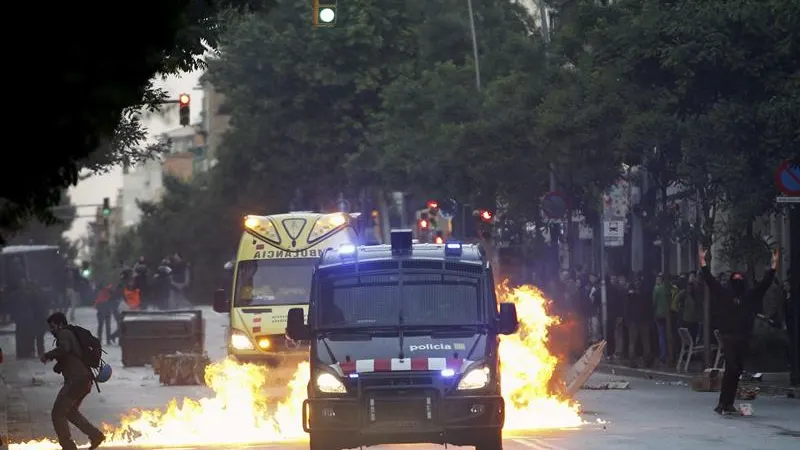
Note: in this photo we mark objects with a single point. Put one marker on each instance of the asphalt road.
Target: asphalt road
(648, 416)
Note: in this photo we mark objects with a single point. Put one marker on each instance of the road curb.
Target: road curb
(651, 374)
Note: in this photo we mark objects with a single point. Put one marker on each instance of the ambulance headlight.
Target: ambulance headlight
(475, 379)
(330, 384)
(240, 341)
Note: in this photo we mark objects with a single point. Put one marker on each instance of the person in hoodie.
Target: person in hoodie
(738, 306)
(78, 379)
(161, 286)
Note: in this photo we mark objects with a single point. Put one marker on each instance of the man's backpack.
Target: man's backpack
(91, 348)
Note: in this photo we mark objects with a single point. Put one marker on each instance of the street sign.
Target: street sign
(554, 205)
(614, 233)
(787, 179)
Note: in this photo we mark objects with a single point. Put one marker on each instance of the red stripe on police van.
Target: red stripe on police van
(419, 363)
(347, 367)
(400, 365)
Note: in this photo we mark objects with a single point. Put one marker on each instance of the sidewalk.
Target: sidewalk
(15, 420)
(662, 374)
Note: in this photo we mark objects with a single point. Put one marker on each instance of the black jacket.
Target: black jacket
(737, 313)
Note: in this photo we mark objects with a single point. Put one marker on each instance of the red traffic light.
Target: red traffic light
(423, 224)
(486, 215)
(433, 204)
(184, 99)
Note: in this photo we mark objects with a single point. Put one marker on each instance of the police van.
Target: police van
(404, 346)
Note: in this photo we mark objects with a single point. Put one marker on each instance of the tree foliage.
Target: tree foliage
(703, 95)
(711, 85)
(96, 83)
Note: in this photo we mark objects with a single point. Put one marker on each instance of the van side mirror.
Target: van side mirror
(221, 302)
(508, 319)
(296, 327)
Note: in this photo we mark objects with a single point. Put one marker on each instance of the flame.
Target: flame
(240, 408)
(526, 380)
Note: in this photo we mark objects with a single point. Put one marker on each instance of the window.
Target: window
(274, 282)
(424, 299)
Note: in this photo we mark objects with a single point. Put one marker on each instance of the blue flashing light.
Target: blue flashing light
(347, 250)
(353, 375)
(453, 248)
(447, 373)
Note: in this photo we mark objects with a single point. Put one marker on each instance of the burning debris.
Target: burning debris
(240, 407)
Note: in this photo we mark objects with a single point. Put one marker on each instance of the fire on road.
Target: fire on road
(238, 414)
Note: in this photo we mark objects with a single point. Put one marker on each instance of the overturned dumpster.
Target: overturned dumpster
(145, 335)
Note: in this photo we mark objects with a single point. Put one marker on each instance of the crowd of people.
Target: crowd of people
(645, 311)
(139, 287)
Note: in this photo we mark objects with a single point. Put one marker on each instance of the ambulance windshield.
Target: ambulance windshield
(267, 282)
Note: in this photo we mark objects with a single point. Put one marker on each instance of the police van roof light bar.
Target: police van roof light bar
(453, 248)
(401, 241)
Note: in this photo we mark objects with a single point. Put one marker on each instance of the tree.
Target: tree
(88, 103)
(707, 84)
(436, 133)
(300, 98)
(193, 220)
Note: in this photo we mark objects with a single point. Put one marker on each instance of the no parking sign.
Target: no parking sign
(787, 180)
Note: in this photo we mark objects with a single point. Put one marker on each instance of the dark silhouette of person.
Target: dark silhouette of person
(738, 306)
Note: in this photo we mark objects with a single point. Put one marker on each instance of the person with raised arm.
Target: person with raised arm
(738, 305)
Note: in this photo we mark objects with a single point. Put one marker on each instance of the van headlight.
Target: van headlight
(241, 341)
(475, 379)
(330, 384)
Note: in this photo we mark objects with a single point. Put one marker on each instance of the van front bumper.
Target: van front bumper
(456, 420)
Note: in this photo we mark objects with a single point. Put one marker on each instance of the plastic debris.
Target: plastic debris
(746, 409)
(611, 385)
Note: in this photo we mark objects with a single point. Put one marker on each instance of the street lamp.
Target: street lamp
(474, 45)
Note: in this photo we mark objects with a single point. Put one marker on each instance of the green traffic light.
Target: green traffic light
(106, 212)
(327, 15)
(86, 273)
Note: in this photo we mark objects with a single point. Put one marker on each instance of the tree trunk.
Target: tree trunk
(666, 247)
(707, 237)
(751, 256)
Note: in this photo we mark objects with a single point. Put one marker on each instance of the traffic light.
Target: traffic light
(183, 108)
(325, 13)
(106, 207)
(484, 215)
(86, 271)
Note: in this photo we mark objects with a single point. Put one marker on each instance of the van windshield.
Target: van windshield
(377, 300)
(267, 282)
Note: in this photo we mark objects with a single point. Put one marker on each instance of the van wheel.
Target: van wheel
(492, 440)
(320, 442)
